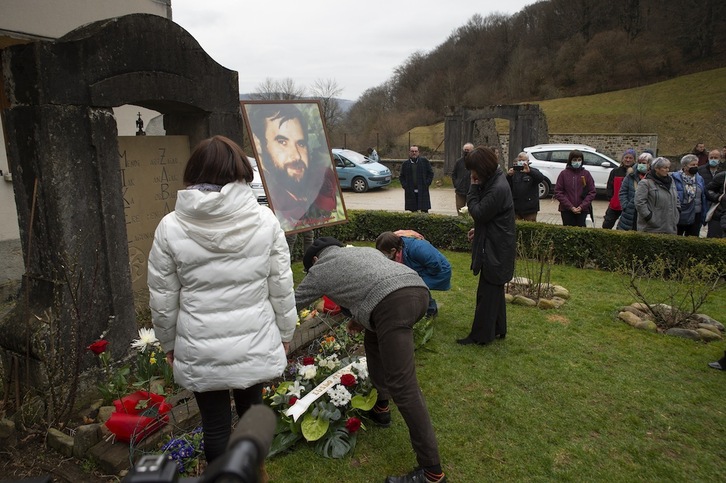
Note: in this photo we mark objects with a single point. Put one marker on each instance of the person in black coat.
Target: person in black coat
(493, 244)
(416, 177)
(461, 178)
(707, 172)
(524, 181)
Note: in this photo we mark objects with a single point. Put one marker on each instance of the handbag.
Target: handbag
(714, 207)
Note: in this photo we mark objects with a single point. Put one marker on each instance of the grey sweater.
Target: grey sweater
(356, 278)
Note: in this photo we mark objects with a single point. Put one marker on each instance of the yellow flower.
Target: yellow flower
(152, 360)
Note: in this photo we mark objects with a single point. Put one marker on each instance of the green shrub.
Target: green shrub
(580, 247)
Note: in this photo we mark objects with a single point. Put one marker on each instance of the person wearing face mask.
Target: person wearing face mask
(656, 200)
(691, 196)
(461, 178)
(524, 181)
(575, 190)
(615, 180)
(715, 165)
(421, 256)
(629, 216)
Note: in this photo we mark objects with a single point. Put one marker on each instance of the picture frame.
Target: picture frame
(293, 155)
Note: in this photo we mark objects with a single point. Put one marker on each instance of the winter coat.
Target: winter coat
(629, 217)
(494, 245)
(418, 175)
(657, 205)
(356, 278)
(575, 187)
(696, 210)
(461, 177)
(713, 191)
(525, 190)
(428, 262)
(612, 190)
(221, 290)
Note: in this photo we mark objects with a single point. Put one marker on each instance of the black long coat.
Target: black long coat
(495, 243)
(422, 172)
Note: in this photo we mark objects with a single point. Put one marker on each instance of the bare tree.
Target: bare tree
(278, 90)
(327, 91)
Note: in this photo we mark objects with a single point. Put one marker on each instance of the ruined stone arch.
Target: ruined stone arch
(527, 127)
(57, 99)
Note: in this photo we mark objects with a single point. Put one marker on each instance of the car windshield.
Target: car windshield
(354, 156)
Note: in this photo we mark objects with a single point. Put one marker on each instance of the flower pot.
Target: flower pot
(131, 424)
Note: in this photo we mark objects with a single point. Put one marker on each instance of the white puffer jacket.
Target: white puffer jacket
(221, 289)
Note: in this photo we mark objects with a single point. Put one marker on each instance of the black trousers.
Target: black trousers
(611, 216)
(389, 354)
(571, 219)
(214, 407)
(490, 316)
(694, 229)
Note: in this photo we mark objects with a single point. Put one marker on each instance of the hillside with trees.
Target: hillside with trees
(551, 49)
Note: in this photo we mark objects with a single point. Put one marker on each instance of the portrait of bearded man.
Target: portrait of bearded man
(302, 186)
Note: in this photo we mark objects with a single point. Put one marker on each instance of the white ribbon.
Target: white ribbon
(302, 405)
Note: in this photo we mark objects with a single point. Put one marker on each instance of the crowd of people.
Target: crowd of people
(643, 193)
(225, 309)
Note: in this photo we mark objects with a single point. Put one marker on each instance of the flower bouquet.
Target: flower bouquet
(142, 412)
(323, 402)
(138, 415)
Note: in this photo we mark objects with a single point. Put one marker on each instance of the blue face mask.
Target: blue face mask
(642, 168)
(713, 162)
(576, 164)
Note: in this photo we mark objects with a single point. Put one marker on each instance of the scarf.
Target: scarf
(206, 187)
(689, 188)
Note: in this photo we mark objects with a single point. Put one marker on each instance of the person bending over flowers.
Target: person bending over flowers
(386, 299)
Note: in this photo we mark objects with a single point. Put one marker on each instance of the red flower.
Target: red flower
(308, 361)
(98, 347)
(347, 380)
(352, 425)
(293, 400)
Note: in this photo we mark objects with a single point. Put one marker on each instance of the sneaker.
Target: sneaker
(416, 476)
(716, 365)
(380, 417)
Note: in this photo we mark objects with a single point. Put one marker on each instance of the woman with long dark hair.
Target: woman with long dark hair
(493, 244)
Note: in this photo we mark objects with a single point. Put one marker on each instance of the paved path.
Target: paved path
(442, 203)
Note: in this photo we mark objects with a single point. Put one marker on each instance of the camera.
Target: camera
(247, 448)
(518, 168)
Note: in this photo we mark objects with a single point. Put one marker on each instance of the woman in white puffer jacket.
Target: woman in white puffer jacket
(221, 289)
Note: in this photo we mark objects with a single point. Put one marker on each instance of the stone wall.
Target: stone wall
(613, 145)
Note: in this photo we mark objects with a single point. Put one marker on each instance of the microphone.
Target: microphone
(247, 448)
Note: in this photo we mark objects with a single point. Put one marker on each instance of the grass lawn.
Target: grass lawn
(571, 395)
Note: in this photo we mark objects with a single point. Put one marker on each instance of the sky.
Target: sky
(357, 43)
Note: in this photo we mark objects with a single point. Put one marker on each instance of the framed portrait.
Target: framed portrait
(293, 156)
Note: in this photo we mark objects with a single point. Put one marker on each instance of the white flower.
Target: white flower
(360, 369)
(330, 362)
(296, 389)
(147, 338)
(339, 395)
(308, 372)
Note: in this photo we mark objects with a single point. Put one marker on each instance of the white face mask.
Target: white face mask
(576, 164)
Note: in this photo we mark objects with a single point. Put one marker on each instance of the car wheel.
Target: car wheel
(359, 185)
(544, 189)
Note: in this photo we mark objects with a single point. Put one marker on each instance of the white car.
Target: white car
(257, 187)
(551, 159)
